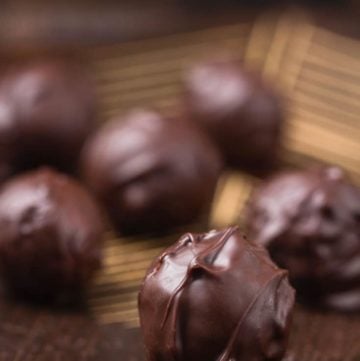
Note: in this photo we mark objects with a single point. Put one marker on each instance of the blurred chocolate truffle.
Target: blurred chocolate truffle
(51, 235)
(242, 113)
(47, 109)
(152, 173)
(310, 222)
(215, 296)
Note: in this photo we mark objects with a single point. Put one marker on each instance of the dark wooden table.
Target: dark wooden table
(29, 334)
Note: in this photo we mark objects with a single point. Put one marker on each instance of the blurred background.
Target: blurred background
(67, 22)
(137, 52)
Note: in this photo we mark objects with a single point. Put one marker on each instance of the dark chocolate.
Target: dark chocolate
(215, 297)
(310, 222)
(51, 235)
(241, 112)
(152, 173)
(47, 110)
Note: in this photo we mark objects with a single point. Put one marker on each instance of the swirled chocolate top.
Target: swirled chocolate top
(215, 297)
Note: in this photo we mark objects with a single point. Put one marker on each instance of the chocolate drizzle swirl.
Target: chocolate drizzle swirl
(215, 296)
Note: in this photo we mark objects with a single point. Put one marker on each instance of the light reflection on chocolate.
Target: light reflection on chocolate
(215, 297)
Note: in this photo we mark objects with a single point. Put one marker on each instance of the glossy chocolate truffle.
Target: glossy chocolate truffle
(310, 222)
(51, 235)
(152, 173)
(215, 297)
(241, 112)
(47, 110)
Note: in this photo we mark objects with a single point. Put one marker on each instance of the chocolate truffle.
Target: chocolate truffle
(242, 113)
(310, 222)
(152, 173)
(47, 110)
(51, 235)
(215, 297)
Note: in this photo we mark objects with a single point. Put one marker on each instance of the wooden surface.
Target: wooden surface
(317, 70)
(43, 335)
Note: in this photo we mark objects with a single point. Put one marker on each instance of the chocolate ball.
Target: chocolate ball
(215, 297)
(310, 222)
(51, 235)
(241, 112)
(47, 110)
(152, 173)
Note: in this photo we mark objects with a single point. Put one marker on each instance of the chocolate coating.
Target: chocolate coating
(51, 235)
(152, 173)
(310, 222)
(47, 110)
(215, 297)
(240, 111)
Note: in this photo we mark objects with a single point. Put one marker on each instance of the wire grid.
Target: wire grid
(318, 71)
